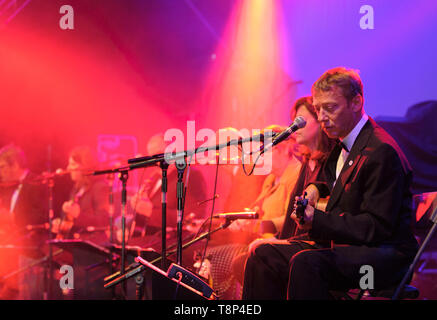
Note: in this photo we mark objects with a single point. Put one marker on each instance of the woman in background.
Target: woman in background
(86, 214)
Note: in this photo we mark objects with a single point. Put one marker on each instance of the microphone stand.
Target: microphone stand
(124, 175)
(111, 223)
(51, 185)
(48, 178)
(111, 208)
(180, 208)
(164, 167)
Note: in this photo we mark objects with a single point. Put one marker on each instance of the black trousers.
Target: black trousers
(304, 272)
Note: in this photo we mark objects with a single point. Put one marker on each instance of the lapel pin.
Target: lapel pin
(351, 162)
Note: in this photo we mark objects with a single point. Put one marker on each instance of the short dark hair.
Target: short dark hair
(347, 79)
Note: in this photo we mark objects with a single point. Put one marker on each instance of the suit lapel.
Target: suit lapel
(331, 164)
(355, 157)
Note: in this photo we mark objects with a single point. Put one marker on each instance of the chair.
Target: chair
(408, 292)
(433, 218)
(404, 290)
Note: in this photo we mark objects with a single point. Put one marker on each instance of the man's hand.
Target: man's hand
(312, 194)
(308, 217)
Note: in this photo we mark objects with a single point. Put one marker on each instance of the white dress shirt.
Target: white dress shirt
(348, 142)
(17, 191)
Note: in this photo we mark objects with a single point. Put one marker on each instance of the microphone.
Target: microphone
(31, 227)
(57, 172)
(60, 171)
(237, 215)
(95, 229)
(298, 123)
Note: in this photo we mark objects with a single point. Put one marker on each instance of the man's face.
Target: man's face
(7, 171)
(335, 114)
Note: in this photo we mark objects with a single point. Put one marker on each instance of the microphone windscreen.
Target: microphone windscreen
(300, 122)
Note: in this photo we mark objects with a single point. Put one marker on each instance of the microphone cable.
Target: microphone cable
(254, 165)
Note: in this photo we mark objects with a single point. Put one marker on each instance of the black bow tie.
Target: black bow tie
(343, 146)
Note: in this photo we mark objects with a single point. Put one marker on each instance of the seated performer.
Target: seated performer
(86, 214)
(23, 206)
(367, 218)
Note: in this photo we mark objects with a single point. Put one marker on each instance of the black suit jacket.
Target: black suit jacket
(371, 203)
(31, 208)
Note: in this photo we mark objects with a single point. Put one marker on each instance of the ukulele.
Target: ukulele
(301, 204)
